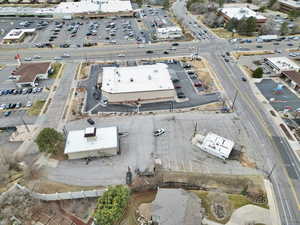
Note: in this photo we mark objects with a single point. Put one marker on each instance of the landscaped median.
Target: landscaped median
(57, 70)
(36, 108)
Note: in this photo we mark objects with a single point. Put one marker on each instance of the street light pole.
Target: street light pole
(236, 94)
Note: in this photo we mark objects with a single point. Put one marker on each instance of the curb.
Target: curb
(274, 212)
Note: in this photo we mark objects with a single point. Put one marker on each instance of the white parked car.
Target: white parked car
(28, 104)
(158, 132)
(121, 55)
(28, 59)
(36, 57)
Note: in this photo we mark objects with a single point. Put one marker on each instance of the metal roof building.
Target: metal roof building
(280, 64)
(215, 145)
(92, 142)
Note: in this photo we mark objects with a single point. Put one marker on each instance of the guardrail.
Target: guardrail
(63, 195)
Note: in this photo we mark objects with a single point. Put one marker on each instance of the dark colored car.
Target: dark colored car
(244, 79)
(7, 113)
(166, 52)
(175, 44)
(181, 95)
(149, 51)
(175, 80)
(90, 121)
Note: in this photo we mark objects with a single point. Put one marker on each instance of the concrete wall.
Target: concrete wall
(146, 96)
(94, 153)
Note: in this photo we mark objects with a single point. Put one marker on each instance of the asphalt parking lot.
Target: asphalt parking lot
(281, 100)
(76, 32)
(193, 96)
(174, 148)
(16, 115)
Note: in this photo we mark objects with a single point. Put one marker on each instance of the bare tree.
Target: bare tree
(7, 162)
(269, 28)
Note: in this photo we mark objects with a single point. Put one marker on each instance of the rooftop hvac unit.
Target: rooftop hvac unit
(90, 132)
(149, 77)
(131, 79)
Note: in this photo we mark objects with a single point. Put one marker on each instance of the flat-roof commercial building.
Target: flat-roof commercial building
(16, 35)
(92, 142)
(137, 84)
(85, 8)
(240, 13)
(27, 74)
(216, 145)
(289, 5)
(279, 64)
(171, 32)
(292, 78)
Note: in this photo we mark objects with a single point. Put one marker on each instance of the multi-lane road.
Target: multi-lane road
(274, 146)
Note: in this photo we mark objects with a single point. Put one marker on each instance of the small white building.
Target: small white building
(17, 35)
(92, 142)
(171, 32)
(215, 145)
(279, 64)
(137, 84)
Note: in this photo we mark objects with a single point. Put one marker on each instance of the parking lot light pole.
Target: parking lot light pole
(236, 94)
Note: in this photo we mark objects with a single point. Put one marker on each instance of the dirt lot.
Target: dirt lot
(84, 71)
(206, 75)
(238, 54)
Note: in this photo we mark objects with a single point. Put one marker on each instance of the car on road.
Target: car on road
(175, 80)
(244, 79)
(36, 57)
(57, 58)
(66, 55)
(166, 52)
(175, 44)
(121, 55)
(259, 46)
(290, 44)
(177, 86)
(149, 51)
(90, 121)
(28, 59)
(158, 132)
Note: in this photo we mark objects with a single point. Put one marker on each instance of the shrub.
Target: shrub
(111, 204)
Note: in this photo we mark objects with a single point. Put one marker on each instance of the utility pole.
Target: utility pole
(234, 99)
(272, 170)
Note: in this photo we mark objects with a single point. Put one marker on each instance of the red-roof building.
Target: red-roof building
(292, 78)
(28, 73)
